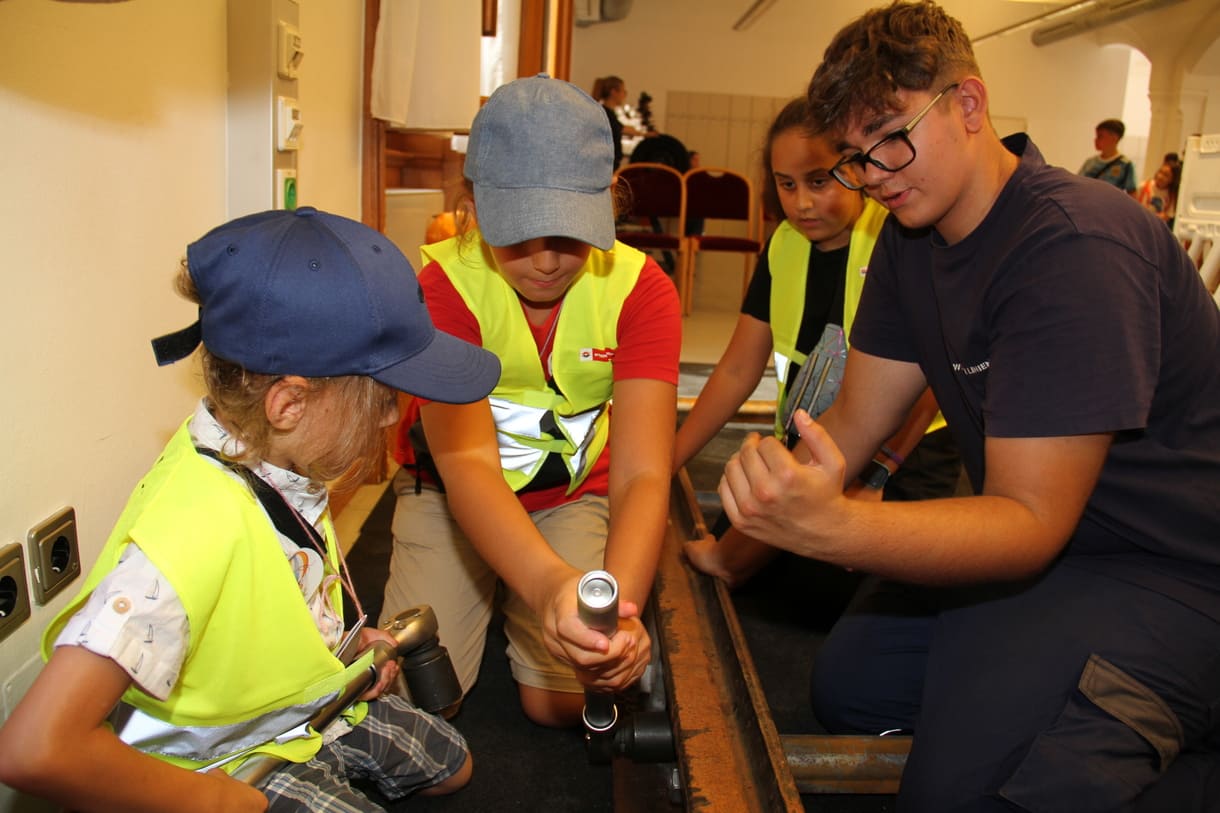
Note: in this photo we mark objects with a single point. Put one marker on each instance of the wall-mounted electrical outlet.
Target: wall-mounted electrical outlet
(14, 594)
(288, 51)
(288, 124)
(286, 189)
(54, 557)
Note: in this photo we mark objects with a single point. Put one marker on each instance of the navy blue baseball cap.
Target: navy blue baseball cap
(314, 294)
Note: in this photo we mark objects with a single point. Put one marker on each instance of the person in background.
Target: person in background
(611, 92)
(1051, 640)
(1110, 165)
(211, 627)
(519, 489)
(1159, 194)
(800, 306)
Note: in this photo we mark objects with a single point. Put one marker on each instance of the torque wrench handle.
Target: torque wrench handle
(597, 606)
(597, 601)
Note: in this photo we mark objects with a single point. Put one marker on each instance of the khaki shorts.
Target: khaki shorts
(433, 563)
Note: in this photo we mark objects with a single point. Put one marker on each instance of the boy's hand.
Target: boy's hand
(610, 663)
(770, 495)
(389, 670)
(704, 556)
(625, 661)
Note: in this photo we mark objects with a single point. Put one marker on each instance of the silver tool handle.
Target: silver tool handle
(597, 606)
(597, 601)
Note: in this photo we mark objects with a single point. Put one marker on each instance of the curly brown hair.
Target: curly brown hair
(912, 46)
(236, 396)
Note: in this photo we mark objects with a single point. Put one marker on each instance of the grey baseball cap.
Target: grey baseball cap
(541, 158)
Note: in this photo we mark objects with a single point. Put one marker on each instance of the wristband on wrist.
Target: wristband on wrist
(892, 455)
(875, 475)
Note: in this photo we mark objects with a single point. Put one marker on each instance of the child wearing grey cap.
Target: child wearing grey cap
(545, 480)
(210, 630)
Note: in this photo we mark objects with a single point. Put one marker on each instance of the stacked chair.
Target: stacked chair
(656, 212)
(683, 214)
(720, 197)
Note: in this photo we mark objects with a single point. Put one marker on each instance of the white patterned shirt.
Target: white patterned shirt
(134, 616)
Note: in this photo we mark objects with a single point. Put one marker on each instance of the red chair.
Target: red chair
(656, 202)
(721, 195)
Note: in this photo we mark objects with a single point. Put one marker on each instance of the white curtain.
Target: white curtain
(500, 51)
(426, 63)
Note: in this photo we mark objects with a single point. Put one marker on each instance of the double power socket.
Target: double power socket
(54, 562)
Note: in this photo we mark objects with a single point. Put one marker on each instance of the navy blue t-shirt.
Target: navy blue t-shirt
(1069, 310)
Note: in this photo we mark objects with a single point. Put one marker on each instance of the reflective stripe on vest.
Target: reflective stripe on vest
(206, 744)
(254, 650)
(523, 405)
(524, 447)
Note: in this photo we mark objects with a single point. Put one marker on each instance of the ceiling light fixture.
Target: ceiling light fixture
(1103, 14)
(1032, 21)
(756, 10)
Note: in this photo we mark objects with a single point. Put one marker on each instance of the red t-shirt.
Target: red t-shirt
(649, 345)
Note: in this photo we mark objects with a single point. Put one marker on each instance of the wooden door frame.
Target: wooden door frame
(372, 137)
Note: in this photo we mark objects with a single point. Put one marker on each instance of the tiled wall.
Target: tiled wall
(727, 131)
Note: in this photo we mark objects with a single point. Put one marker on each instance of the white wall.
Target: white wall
(112, 159)
(1203, 86)
(1061, 90)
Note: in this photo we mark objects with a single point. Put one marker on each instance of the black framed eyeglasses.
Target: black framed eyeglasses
(892, 153)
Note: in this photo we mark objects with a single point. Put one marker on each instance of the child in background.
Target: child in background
(799, 307)
(1159, 194)
(1109, 165)
(208, 631)
(519, 489)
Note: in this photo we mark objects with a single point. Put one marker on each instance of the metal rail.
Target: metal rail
(826, 763)
(730, 756)
(729, 753)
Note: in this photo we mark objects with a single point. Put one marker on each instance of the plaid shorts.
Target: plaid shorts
(397, 748)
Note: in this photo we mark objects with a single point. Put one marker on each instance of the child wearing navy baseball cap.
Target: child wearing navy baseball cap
(211, 627)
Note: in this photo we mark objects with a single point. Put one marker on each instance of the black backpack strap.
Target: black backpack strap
(424, 467)
(284, 517)
(1103, 169)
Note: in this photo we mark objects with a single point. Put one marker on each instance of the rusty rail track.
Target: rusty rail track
(730, 756)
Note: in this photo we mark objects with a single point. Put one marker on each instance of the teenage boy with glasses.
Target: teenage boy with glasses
(1053, 641)
(892, 153)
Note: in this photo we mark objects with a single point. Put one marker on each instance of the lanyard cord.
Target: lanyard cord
(545, 349)
(288, 520)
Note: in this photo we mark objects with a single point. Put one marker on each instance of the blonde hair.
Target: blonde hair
(237, 398)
